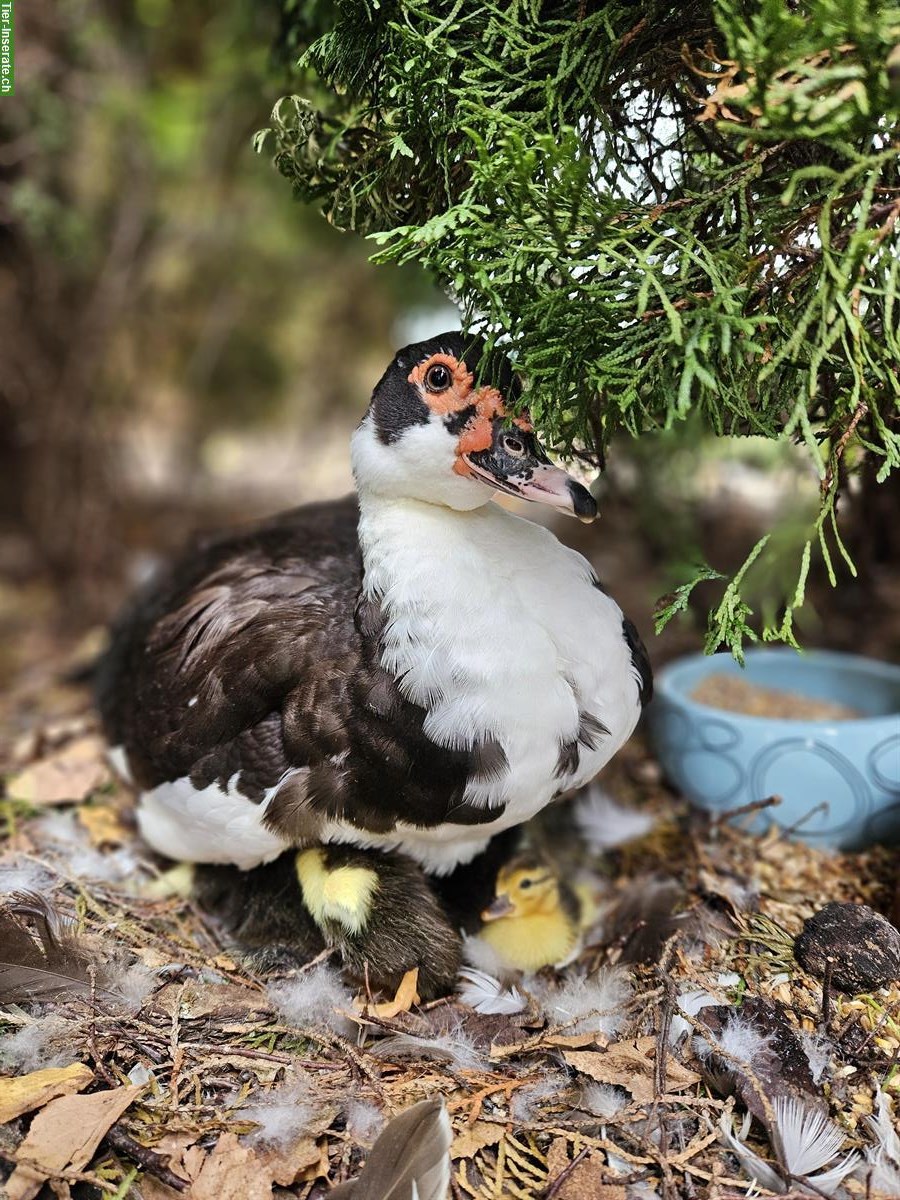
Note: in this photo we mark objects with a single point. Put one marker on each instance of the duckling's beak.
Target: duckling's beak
(500, 906)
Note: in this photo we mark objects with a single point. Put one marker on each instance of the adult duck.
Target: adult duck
(413, 668)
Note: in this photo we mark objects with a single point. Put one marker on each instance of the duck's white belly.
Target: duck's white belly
(500, 633)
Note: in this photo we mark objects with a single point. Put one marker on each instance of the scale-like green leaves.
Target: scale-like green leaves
(666, 209)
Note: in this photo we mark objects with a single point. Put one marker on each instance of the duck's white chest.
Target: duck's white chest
(501, 634)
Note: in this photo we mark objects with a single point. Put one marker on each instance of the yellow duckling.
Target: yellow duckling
(536, 919)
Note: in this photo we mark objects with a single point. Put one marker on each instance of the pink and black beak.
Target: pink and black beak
(500, 906)
(516, 464)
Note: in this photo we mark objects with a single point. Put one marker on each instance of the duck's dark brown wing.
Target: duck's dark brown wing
(205, 658)
(254, 658)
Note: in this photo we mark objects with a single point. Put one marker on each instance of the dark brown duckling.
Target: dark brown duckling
(378, 911)
(375, 909)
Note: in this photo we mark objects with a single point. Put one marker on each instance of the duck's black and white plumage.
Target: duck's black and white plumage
(413, 668)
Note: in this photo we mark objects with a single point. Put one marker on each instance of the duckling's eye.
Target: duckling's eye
(513, 445)
(437, 378)
(526, 883)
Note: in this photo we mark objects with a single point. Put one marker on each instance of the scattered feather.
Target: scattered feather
(526, 1102)
(314, 997)
(23, 876)
(140, 1074)
(454, 1047)
(604, 1100)
(689, 1003)
(591, 1004)
(283, 1113)
(42, 958)
(486, 994)
(805, 1140)
(753, 1166)
(881, 1172)
(483, 957)
(410, 1160)
(45, 1042)
(819, 1052)
(604, 823)
(739, 1038)
(67, 837)
(365, 1120)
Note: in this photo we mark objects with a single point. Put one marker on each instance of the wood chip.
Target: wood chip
(630, 1065)
(28, 1092)
(103, 824)
(406, 997)
(66, 777)
(64, 1136)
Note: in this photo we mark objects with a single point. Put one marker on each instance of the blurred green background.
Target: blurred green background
(180, 334)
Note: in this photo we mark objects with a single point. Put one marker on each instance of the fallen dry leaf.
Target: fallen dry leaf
(67, 776)
(104, 825)
(64, 1135)
(585, 1179)
(231, 1172)
(28, 1092)
(630, 1065)
(474, 1138)
(283, 1165)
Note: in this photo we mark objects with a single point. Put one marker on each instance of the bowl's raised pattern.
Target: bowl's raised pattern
(842, 792)
(883, 764)
(839, 780)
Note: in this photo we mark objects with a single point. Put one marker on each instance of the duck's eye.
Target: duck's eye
(513, 445)
(526, 883)
(437, 378)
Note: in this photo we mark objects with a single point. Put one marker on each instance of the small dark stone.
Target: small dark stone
(864, 947)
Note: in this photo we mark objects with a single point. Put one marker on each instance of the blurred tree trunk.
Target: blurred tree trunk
(60, 311)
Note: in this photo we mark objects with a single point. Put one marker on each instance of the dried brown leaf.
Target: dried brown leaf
(25, 1093)
(232, 1172)
(474, 1138)
(630, 1065)
(103, 824)
(585, 1178)
(66, 777)
(64, 1136)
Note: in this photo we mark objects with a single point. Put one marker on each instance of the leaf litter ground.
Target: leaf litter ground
(174, 1071)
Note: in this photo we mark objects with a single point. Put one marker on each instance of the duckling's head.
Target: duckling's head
(439, 428)
(525, 888)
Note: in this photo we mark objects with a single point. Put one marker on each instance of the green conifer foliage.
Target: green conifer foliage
(664, 207)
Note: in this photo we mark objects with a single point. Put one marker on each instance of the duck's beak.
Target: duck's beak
(500, 906)
(516, 464)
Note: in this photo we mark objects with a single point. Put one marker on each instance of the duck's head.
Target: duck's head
(439, 428)
(525, 888)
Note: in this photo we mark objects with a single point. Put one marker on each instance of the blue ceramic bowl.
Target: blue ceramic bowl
(721, 760)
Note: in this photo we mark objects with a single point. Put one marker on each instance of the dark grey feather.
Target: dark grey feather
(410, 1160)
(40, 957)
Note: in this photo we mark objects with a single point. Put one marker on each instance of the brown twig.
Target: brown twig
(826, 993)
(564, 1174)
(728, 814)
(858, 413)
(148, 1160)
